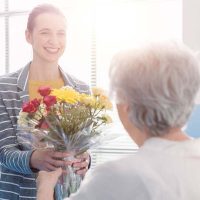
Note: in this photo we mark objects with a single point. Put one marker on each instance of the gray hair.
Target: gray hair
(159, 83)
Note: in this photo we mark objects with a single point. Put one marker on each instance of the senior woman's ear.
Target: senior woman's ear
(123, 110)
(136, 134)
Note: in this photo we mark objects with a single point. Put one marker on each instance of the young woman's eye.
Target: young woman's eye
(61, 34)
(44, 33)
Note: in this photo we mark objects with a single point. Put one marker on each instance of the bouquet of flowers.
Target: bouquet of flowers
(65, 120)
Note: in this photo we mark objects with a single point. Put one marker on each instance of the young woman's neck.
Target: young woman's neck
(44, 71)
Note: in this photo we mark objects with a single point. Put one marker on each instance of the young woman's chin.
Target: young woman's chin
(51, 58)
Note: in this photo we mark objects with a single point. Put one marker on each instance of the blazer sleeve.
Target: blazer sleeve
(11, 156)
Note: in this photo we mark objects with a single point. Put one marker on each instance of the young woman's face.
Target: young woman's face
(48, 37)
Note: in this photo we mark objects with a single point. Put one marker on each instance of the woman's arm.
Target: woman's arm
(11, 156)
(46, 182)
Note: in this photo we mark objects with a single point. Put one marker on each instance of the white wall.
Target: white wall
(191, 27)
(191, 23)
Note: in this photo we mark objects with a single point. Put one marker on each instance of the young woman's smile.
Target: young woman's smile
(48, 38)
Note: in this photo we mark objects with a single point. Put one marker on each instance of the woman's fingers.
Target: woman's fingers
(50, 167)
(82, 171)
(59, 155)
(82, 164)
(49, 159)
(83, 156)
(59, 163)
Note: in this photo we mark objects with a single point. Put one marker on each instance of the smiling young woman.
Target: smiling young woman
(46, 33)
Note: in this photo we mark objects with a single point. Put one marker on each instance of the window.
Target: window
(96, 30)
(2, 48)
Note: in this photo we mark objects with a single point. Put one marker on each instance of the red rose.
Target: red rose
(44, 90)
(43, 125)
(29, 107)
(36, 102)
(49, 100)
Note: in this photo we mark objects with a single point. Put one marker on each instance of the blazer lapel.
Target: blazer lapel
(22, 84)
(67, 80)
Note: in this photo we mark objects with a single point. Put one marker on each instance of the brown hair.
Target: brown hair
(40, 9)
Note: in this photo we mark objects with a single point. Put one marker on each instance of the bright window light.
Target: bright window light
(97, 29)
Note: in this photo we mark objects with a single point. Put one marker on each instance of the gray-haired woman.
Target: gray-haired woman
(154, 89)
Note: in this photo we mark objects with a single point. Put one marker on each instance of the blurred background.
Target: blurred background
(97, 29)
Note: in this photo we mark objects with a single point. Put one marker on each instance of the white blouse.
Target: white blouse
(161, 170)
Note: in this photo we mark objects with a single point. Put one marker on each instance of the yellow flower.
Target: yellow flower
(96, 91)
(72, 112)
(66, 94)
(107, 118)
(88, 100)
(105, 102)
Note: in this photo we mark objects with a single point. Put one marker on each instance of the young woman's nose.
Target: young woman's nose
(53, 39)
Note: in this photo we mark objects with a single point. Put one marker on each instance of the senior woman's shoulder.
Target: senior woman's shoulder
(122, 167)
(117, 179)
